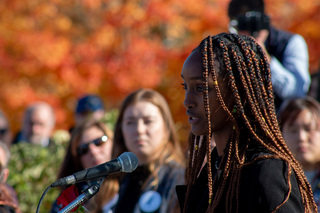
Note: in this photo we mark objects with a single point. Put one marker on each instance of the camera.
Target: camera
(251, 21)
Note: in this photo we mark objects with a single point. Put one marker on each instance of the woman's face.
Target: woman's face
(303, 139)
(194, 97)
(96, 154)
(143, 130)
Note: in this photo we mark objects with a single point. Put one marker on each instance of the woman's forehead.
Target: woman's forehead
(192, 67)
(141, 109)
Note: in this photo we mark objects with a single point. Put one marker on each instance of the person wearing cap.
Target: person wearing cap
(89, 105)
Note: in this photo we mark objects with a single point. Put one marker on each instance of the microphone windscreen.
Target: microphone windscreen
(129, 161)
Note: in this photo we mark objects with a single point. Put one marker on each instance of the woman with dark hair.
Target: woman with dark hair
(145, 127)
(300, 124)
(90, 145)
(229, 99)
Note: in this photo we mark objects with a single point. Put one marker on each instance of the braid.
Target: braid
(207, 109)
(193, 149)
(190, 170)
(243, 64)
(272, 122)
(254, 89)
(197, 154)
(228, 161)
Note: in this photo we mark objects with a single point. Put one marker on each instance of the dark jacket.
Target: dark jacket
(136, 185)
(277, 42)
(315, 185)
(276, 45)
(263, 186)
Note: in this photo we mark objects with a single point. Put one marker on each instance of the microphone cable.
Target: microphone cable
(42, 196)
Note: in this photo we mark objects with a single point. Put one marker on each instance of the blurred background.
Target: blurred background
(58, 50)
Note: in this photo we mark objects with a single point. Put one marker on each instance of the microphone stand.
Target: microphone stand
(86, 195)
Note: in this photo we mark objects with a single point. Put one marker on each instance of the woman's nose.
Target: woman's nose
(188, 100)
(141, 128)
(303, 135)
(93, 149)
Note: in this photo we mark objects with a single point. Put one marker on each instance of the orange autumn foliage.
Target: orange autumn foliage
(58, 50)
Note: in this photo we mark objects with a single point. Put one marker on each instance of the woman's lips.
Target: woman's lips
(303, 149)
(192, 117)
(193, 120)
(140, 141)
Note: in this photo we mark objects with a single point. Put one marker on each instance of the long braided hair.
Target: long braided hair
(241, 62)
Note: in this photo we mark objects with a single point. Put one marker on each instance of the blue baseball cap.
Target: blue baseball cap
(89, 103)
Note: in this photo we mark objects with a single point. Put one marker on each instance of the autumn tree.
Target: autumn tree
(59, 50)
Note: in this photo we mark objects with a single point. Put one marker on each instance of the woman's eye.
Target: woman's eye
(199, 88)
(148, 121)
(308, 128)
(184, 86)
(293, 129)
(129, 122)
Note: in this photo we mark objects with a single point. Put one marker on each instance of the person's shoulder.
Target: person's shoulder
(173, 164)
(172, 171)
(265, 183)
(264, 166)
(297, 38)
(267, 175)
(286, 35)
(174, 167)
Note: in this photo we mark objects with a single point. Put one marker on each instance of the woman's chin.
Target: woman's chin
(198, 131)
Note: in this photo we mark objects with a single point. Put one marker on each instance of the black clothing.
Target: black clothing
(137, 184)
(276, 44)
(129, 199)
(263, 186)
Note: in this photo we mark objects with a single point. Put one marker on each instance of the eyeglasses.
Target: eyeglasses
(3, 131)
(84, 148)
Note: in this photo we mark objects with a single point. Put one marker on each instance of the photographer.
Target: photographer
(287, 52)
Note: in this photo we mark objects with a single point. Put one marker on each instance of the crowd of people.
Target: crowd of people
(254, 144)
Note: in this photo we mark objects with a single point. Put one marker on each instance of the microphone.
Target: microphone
(126, 162)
